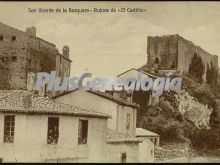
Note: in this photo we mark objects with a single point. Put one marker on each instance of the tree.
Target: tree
(211, 75)
(196, 67)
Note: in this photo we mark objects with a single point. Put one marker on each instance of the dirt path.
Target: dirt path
(199, 159)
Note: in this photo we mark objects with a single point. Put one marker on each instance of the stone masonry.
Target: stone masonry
(23, 54)
(175, 52)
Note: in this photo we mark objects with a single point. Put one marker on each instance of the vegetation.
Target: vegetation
(202, 92)
(196, 67)
(191, 123)
(211, 75)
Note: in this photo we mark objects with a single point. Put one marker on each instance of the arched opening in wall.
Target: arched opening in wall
(156, 61)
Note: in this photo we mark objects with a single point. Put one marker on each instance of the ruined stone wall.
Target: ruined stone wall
(219, 76)
(177, 51)
(186, 50)
(41, 58)
(62, 66)
(41, 55)
(13, 52)
(164, 48)
(20, 54)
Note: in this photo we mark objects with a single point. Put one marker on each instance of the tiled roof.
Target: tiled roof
(114, 136)
(1, 23)
(135, 71)
(11, 101)
(115, 99)
(144, 132)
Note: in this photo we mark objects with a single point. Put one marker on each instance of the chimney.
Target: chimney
(31, 31)
(27, 100)
(66, 51)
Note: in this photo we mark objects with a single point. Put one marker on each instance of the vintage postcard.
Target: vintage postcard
(109, 82)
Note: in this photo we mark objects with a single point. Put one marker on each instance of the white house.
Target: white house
(143, 98)
(148, 142)
(152, 136)
(122, 143)
(37, 129)
(123, 113)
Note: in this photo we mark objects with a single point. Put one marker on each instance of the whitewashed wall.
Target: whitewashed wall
(96, 103)
(30, 143)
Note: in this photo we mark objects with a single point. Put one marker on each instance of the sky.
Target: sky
(107, 44)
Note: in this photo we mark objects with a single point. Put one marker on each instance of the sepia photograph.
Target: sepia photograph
(109, 82)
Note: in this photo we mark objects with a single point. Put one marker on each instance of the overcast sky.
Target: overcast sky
(107, 44)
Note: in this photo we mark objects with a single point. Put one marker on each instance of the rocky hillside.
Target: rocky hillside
(190, 116)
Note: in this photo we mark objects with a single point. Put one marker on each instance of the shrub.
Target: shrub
(196, 67)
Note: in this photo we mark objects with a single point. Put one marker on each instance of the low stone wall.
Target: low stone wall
(170, 151)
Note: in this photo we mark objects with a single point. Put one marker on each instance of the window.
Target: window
(9, 126)
(13, 38)
(1, 37)
(156, 60)
(83, 132)
(149, 120)
(14, 58)
(4, 59)
(128, 121)
(123, 157)
(53, 130)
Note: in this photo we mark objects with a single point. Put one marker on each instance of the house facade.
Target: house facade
(142, 98)
(123, 113)
(122, 145)
(145, 99)
(36, 129)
